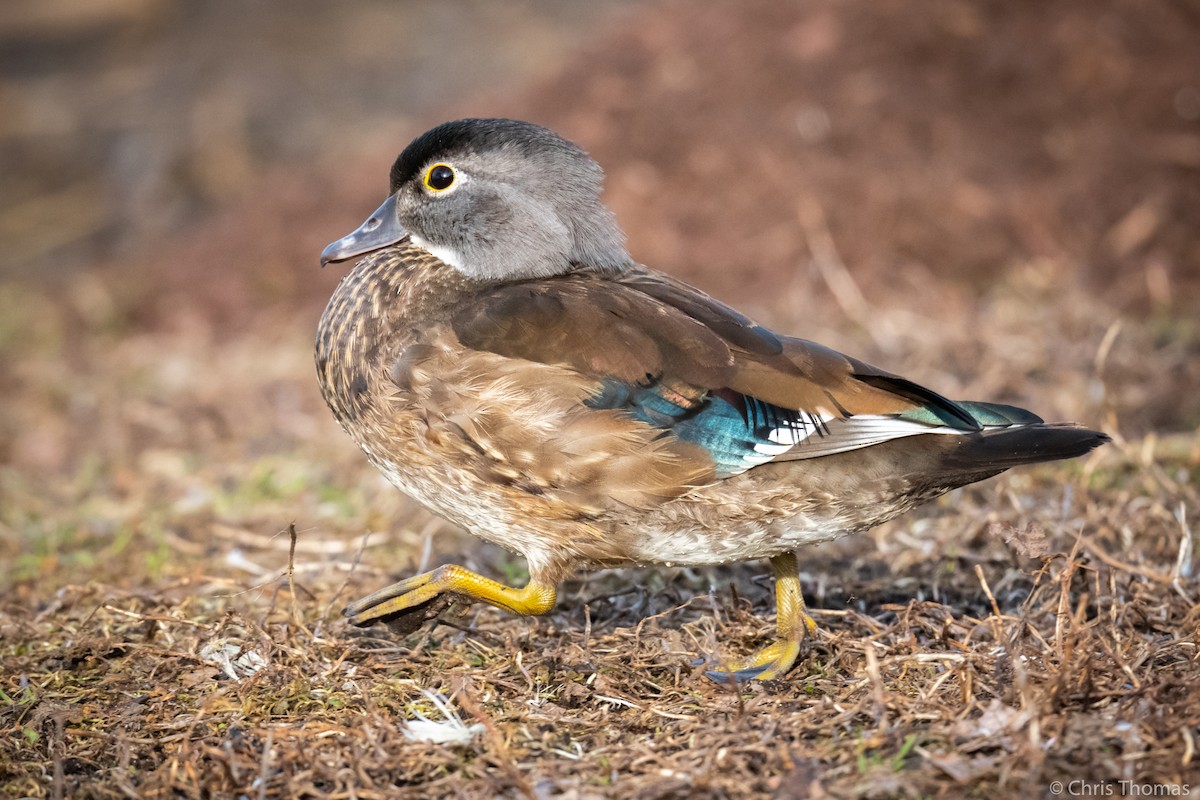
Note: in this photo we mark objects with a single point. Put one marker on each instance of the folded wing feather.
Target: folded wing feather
(677, 360)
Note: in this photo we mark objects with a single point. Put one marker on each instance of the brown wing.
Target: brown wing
(600, 328)
(583, 390)
(647, 327)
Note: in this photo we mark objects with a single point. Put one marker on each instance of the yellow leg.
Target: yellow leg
(534, 598)
(792, 623)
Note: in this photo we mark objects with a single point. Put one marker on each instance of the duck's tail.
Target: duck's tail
(1000, 446)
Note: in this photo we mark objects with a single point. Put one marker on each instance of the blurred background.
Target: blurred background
(128, 121)
(1000, 200)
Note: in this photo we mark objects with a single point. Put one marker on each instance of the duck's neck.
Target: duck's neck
(379, 307)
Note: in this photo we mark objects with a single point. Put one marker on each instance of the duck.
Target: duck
(500, 357)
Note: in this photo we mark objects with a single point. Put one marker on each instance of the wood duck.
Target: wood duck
(500, 358)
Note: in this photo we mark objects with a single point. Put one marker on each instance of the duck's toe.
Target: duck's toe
(767, 664)
(449, 579)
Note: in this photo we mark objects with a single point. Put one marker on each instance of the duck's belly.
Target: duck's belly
(759, 516)
(699, 528)
(691, 547)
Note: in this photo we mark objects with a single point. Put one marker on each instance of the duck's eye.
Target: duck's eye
(440, 177)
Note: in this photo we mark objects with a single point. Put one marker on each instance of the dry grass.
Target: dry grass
(153, 643)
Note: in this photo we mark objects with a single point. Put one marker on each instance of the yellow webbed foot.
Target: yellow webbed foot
(793, 623)
(410, 593)
(766, 664)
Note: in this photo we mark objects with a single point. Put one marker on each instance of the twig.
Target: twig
(1115, 563)
(463, 695)
(1062, 613)
(1100, 363)
(998, 618)
(362, 546)
(250, 539)
(291, 571)
(155, 617)
(833, 270)
(57, 754)
(1183, 562)
(264, 770)
(878, 692)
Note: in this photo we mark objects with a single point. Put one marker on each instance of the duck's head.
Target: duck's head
(496, 199)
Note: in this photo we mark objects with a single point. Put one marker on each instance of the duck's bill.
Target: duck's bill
(380, 230)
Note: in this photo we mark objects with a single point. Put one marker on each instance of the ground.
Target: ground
(997, 200)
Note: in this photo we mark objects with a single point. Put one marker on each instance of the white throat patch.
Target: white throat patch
(445, 254)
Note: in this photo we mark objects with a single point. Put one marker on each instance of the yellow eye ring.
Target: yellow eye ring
(439, 177)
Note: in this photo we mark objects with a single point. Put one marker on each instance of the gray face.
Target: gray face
(498, 200)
